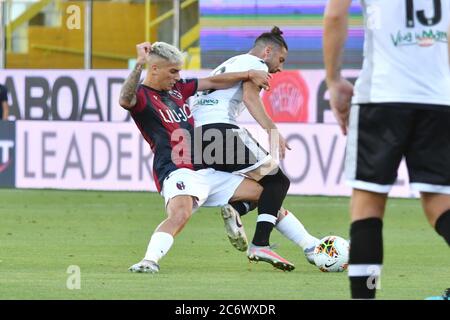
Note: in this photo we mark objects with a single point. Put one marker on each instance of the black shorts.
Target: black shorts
(380, 135)
(226, 147)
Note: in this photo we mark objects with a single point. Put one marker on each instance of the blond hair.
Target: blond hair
(167, 52)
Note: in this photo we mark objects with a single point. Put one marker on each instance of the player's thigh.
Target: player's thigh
(223, 185)
(180, 208)
(266, 168)
(186, 182)
(378, 136)
(248, 190)
(428, 154)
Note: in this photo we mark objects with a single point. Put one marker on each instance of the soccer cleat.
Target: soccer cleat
(309, 254)
(234, 228)
(266, 254)
(145, 266)
(445, 296)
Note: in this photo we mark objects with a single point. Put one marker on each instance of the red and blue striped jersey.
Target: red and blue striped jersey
(167, 124)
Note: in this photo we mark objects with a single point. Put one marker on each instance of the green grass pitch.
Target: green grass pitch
(43, 232)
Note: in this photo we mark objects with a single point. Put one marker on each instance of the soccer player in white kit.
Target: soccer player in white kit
(400, 108)
(215, 113)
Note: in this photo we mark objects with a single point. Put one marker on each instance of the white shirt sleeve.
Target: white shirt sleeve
(246, 62)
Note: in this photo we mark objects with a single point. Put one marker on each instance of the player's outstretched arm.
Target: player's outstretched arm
(127, 98)
(227, 80)
(334, 36)
(255, 106)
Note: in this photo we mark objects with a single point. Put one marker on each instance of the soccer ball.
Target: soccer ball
(331, 254)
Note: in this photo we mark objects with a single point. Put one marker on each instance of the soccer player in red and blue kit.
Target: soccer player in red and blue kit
(158, 107)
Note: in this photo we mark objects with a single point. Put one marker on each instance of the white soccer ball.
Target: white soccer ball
(331, 254)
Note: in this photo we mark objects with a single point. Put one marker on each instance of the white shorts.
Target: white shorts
(211, 188)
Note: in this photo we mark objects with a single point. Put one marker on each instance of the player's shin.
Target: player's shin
(243, 207)
(290, 227)
(366, 257)
(269, 203)
(264, 227)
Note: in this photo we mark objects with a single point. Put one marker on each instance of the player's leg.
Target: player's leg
(366, 249)
(287, 223)
(228, 188)
(250, 190)
(228, 148)
(275, 187)
(428, 160)
(377, 138)
(179, 210)
(437, 209)
(292, 228)
(183, 191)
(244, 198)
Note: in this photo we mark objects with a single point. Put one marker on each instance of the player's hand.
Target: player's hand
(143, 49)
(341, 92)
(283, 146)
(260, 78)
(277, 141)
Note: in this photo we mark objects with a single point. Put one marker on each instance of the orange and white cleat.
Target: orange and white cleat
(266, 254)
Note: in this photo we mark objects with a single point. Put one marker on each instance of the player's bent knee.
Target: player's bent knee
(180, 216)
(248, 190)
(179, 212)
(277, 182)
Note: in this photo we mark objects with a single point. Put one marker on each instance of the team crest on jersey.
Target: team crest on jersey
(180, 185)
(176, 94)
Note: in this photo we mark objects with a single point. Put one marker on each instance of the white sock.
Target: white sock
(293, 229)
(158, 246)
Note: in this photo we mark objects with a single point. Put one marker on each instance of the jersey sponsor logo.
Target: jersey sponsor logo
(180, 185)
(207, 102)
(424, 38)
(416, 15)
(180, 115)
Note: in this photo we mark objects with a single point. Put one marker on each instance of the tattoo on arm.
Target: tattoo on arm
(128, 91)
